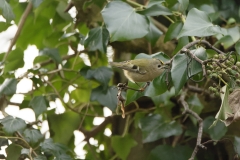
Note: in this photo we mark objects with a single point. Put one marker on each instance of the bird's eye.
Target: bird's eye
(159, 66)
(134, 67)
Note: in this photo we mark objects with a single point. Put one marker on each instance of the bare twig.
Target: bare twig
(200, 123)
(20, 27)
(63, 58)
(97, 129)
(189, 45)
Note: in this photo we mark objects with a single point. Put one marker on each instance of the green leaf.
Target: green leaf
(225, 110)
(122, 145)
(60, 129)
(216, 132)
(101, 74)
(154, 127)
(40, 157)
(97, 39)
(226, 41)
(4, 26)
(237, 144)
(181, 42)
(11, 124)
(32, 136)
(173, 31)
(134, 95)
(237, 47)
(167, 152)
(13, 151)
(155, 10)
(157, 86)
(179, 71)
(199, 24)
(6, 11)
(183, 5)
(195, 67)
(107, 98)
(153, 34)
(14, 60)
(49, 147)
(52, 53)
(8, 87)
(121, 21)
(36, 3)
(38, 104)
(234, 32)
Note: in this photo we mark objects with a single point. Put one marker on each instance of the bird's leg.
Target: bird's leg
(121, 100)
(144, 87)
(123, 87)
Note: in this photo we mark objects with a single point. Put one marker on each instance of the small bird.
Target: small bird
(141, 70)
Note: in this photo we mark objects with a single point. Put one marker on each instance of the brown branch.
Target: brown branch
(97, 129)
(20, 27)
(200, 123)
(189, 45)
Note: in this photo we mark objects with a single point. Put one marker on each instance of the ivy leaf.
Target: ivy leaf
(183, 5)
(121, 21)
(36, 3)
(49, 147)
(155, 10)
(216, 132)
(157, 86)
(13, 151)
(107, 98)
(199, 24)
(134, 95)
(6, 11)
(237, 47)
(237, 144)
(8, 87)
(39, 105)
(196, 67)
(153, 34)
(14, 60)
(11, 124)
(101, 74)
(179, 71)
(225, 110)
(126, 144)
(40, 157)
(167, 152)
(97, 39)
(173, 31)
(4, 26)
(33, 136)
(52, 53)
(154, 127)
(60, 130)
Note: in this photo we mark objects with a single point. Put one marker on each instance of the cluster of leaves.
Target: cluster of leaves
(57, 75)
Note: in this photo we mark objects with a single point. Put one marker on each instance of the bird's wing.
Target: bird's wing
(126, 65)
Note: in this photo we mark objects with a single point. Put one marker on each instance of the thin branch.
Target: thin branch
(63, 58)
(20, 27)
(97, 129)
(189, 45)
(200, 123)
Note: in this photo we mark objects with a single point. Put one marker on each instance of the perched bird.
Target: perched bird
(141, 70)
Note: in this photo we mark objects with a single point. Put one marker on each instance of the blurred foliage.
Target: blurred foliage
(72, 68)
